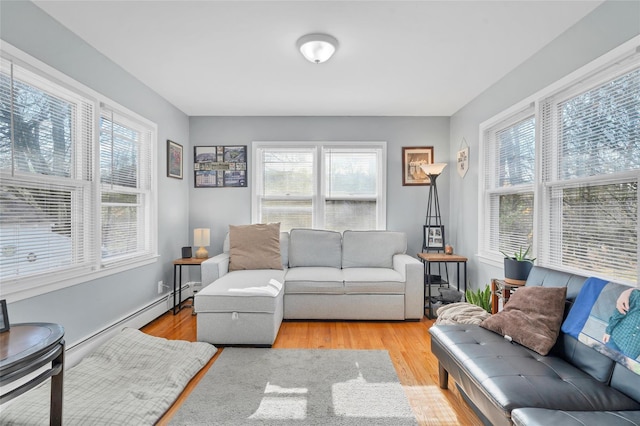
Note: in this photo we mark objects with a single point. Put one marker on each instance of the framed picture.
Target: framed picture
(433, 237)
(412, 158)
(4, 316)
(220, 166)
(174, 159)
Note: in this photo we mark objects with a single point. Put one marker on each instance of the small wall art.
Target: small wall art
(220, 166)
(463, 158)
(412, 158)
(174, 159)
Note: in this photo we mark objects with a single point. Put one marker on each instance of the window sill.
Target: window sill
(21, 289)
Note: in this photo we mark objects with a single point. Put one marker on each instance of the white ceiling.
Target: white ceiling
(396, 58)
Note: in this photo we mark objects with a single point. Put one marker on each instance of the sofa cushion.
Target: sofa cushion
(284, 247)
(221, 295)
(314, 279)
(372, 280)
(371, 249)
(544, 417)
(314, 247)
(531, 317)
(254, 247)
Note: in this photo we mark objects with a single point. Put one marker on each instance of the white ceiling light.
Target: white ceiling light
(317, 48)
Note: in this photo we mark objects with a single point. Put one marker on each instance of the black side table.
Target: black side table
(428, 259)
(24, 349)
(177, 279)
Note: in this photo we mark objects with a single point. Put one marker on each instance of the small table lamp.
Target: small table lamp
(201, 238)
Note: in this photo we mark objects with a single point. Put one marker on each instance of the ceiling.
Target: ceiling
(395, 58)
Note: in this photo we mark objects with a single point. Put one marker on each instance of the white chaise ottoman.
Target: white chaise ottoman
(239, 309)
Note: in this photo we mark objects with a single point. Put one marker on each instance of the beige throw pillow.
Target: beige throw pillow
(531, 317)
(254, 247)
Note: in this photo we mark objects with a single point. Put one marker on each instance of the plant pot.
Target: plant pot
(516, 271)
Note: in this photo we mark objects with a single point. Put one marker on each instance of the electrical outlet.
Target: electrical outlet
(160, 286)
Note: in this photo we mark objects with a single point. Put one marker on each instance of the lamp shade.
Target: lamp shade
(433, 169)
(201, 237)
(317, 48)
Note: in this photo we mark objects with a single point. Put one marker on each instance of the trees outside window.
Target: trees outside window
(53, 201)
(562, 174)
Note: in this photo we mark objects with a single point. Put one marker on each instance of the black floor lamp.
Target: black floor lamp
(433, 229)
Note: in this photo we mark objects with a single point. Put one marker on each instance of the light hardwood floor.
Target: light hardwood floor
(408, 344)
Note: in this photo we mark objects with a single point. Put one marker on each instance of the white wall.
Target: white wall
(86, 308)
(605, 28)
(217, 208)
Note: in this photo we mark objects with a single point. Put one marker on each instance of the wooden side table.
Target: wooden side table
(429, 258)
(501, 290)
(177, 279)
(24, 349)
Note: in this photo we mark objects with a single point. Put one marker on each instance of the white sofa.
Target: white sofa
(357, 275)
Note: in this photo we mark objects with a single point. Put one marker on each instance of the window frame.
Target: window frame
(488, 182)
(319, 196)
(603, 69)
(14, 289)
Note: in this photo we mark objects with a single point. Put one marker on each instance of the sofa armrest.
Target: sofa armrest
(214, 268)
(412, 271)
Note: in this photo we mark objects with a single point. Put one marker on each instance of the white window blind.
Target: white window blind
(564, 173)
(62, 219)
(287, 188)
(351, 188)
(46, 133)
(125, 177)
(591, 137)
(315, 185)
(509, 184)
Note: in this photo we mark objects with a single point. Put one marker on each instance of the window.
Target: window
(52, 198)
(335, 186)
(509, 184)
(590, 177)
(125, 165)
(562, 173)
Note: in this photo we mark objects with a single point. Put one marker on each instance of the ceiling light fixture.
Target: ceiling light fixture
(317, 48)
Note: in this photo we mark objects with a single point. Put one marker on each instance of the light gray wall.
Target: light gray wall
(217, 208)
(86, 308)
(605, 28)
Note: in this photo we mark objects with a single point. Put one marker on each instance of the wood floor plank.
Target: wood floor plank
(407, 342)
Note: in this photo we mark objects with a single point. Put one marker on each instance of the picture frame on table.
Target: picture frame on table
(433, 237)
(412, 158)
(174, 160)
(4, 316)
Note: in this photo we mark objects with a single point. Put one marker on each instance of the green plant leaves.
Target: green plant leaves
(480, 297)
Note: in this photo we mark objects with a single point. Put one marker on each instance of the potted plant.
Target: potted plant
(518, 266)
(481, 297)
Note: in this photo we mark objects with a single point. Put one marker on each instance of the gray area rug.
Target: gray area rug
(252, 386)
(132, 379)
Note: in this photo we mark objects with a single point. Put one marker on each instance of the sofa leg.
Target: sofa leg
(443, 376)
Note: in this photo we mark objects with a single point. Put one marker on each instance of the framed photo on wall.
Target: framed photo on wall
(412, 158)
(433, 237)
(174, 159)
(220, 166)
